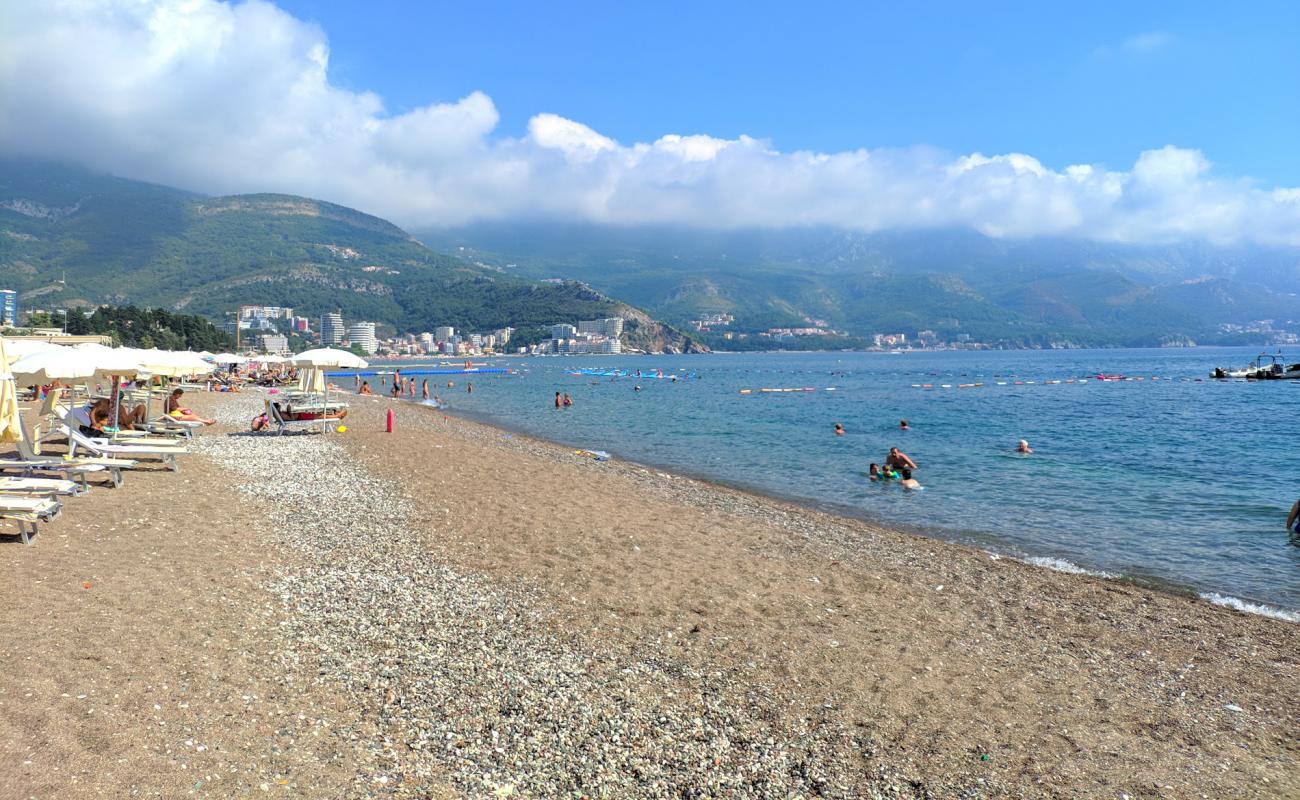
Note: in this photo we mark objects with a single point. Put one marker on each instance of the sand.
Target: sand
(952, 670)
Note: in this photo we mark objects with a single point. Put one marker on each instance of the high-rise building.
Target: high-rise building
(563, 331)
(612, 327)
(266, 312)
(363, 335)
(331, 328)
(503, 335)
(427, 342)
(300, 325)
(444, 333)
(8, 308)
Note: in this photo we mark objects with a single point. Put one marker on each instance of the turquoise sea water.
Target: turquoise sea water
(1177, 481)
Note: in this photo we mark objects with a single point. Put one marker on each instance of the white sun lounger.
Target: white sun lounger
(46, 486)
(27, 511)
(72, 468)
(103, 447)
(282, 424)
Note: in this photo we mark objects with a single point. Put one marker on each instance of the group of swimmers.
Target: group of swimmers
(898, 467)
(563, 402)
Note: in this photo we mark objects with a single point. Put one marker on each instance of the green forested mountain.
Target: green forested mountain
(69, 238)
(1021, 292)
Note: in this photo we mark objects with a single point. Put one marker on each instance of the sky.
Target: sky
(1138, 122)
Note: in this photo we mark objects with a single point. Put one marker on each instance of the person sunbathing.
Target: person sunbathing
(175, 410)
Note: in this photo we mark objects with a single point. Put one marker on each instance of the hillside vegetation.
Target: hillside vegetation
(71, 238)
(1028, 292)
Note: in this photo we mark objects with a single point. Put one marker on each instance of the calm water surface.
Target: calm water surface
(1175, 481)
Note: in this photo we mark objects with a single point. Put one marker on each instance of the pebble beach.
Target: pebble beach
(451, 610)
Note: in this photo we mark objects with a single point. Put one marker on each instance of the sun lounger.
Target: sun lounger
(69, 469)
(30, 459)
(27, 511)
(104, 447)
(282, 424)
(46, 486)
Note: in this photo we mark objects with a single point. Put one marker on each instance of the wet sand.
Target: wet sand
(890, 664)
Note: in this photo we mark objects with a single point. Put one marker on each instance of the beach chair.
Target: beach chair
(282, 424)
(45, 486)
(70, 470)
(26, 512)
(105, 447)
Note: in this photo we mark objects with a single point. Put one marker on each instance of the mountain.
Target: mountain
(70, 238)
(1018, 292)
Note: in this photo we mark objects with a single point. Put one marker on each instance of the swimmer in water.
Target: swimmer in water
(469, 388)
(1023, 447)
(424, 389)
(568, 401)
(365, 388)
(636, 388)
(873, 472)
(839, 429)
(908, 482)
(897, 460)
(903, 426)
(558, 401)
(1293, 519)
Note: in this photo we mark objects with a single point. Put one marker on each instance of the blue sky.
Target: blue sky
(1150, 122)
(1096, 83)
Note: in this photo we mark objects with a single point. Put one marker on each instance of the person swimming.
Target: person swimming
(873, 472)
(903, 426)
(1023, 447)
(897, 460)
(908, 482)
(839, 429)
(1293, 519)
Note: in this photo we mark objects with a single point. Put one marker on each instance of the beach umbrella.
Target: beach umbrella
(121, 361)
(229, 358)
(17, 348)
(329, 357)
(11, 423)
(64, 364)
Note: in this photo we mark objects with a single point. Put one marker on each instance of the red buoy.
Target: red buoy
(390, 421)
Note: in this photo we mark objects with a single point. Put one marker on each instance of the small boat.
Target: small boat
(1265, 367)
(1101, 376)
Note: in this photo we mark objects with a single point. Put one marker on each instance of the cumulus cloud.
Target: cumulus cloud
(224, 98)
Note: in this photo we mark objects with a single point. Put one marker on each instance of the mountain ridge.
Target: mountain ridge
(126, 242)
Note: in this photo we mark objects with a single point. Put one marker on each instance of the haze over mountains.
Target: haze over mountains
(1018, 291)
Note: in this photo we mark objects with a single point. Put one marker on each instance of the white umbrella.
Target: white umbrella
(173, 363)
(228, 358)
(329, 357)
(113, 360)
(47, 366)
(268, 359)
(17, 348)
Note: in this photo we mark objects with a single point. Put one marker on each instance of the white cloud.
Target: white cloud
(237, 98)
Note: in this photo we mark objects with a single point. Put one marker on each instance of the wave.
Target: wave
(1250, 608)
(1061, 565)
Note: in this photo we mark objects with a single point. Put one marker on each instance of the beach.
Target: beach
(454, 610)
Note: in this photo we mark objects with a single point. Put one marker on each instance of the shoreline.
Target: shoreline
(988, 544)
(451, 610)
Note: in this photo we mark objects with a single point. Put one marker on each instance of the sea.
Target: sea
(1167, 478)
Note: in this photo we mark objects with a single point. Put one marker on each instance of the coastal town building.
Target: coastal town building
(8, 308)
(276, 343)
(331, 328)
(444, 333)
(613, 327)
(362, 334)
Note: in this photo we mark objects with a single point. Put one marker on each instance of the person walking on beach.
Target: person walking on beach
(356, 381)
(424, 389)
(397, 389)
(898, 460)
